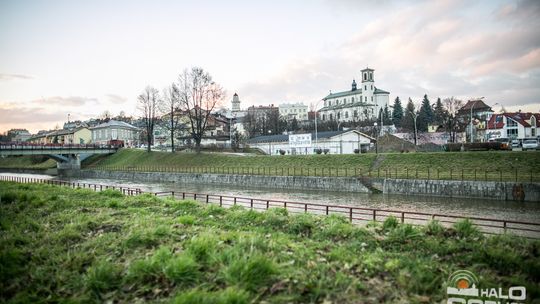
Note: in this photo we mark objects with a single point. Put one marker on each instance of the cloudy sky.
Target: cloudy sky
(84, 57)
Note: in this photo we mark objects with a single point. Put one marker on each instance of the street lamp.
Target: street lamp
(316, 135)
(376, 139)
(414, 116)
(471, 137)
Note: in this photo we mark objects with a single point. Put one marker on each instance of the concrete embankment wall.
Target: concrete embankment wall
(464, 189)
(506, 191)
(345, 184)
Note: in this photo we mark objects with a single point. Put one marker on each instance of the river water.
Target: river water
(520, 211)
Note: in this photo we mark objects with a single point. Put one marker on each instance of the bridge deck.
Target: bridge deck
(9, 150)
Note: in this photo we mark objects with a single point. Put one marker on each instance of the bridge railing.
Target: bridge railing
(31, 146)
(355, 214)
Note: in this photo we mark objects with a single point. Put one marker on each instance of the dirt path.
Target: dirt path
(376, 164)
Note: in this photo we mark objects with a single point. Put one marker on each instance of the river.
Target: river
(519, 211)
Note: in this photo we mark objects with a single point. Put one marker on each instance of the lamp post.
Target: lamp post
(376, 139)
(414, 116)
(472, 107)
(316, 134)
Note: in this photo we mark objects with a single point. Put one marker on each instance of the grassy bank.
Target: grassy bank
(490, 165)
(59, 244)
(27, 162)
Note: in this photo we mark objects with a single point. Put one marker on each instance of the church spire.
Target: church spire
(353, 85)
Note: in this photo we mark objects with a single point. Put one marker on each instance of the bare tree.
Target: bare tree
(149, 104)
(171, 106)
(451, 124)
(199, 95)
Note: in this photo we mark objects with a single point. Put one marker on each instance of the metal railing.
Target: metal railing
(471, 174)
(356, 215)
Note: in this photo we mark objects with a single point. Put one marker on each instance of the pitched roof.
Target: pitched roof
(347, 105)
(285, 138)
(496, 121)
(377, 91)
(115, 123)
(476, 105)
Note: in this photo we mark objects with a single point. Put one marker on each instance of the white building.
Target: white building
(115, 130)
(513, 125)
(358, 103)
(293, 110)
(333, 142)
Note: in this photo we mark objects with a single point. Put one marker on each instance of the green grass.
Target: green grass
(27, 162)
(489, 165)
(64, 245)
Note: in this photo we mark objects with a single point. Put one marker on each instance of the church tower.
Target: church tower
(235, 103)
(368, 89)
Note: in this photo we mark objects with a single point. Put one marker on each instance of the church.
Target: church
(357, 104)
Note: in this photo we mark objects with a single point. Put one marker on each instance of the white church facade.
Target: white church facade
(357, 104)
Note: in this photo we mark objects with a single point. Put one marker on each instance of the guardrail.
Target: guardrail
(401, 173)
(96, 187)
(356, 215)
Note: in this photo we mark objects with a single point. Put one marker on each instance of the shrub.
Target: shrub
(390, 223)
(434, 228)
(302, 224)
(466, 229)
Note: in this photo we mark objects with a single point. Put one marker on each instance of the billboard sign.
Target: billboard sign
(300, 140)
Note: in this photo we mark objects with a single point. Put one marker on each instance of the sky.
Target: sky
(81, 58)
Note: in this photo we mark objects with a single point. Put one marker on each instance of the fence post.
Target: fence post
(374, 215)
(220, 201)
(516, 175)
(305, 208)
(251, 204)
(350, 215)
(235, 200)
(402, 217)
(267, 205)
(207, 198)
(326, 209)
(428, 175)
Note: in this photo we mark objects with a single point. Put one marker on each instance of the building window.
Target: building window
(512, 133)
(372, 87)
(346, 114)
(355, 113)
(338, 115)
(371, 98)
(511, 123)
(331, 116)
(365, 87)
(365, 99)
(324, 117)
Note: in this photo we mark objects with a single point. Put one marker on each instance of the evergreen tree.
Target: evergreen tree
(386, 116)
(440, 112)
(407, 121)
(425, 115)
(397, 113)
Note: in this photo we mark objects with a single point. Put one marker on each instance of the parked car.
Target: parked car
(530, 144)
(516, 143)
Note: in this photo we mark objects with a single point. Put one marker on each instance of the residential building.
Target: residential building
(294, 110)
(357, 104)
(18, 135)
(333, 142)
(515, 125)
(115, 130)
(263, 112)
(480, 114)
(76, 136)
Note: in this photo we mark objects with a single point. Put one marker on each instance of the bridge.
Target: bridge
(67, 157)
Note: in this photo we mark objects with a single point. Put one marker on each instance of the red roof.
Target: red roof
(496, 121)
(478, 105)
